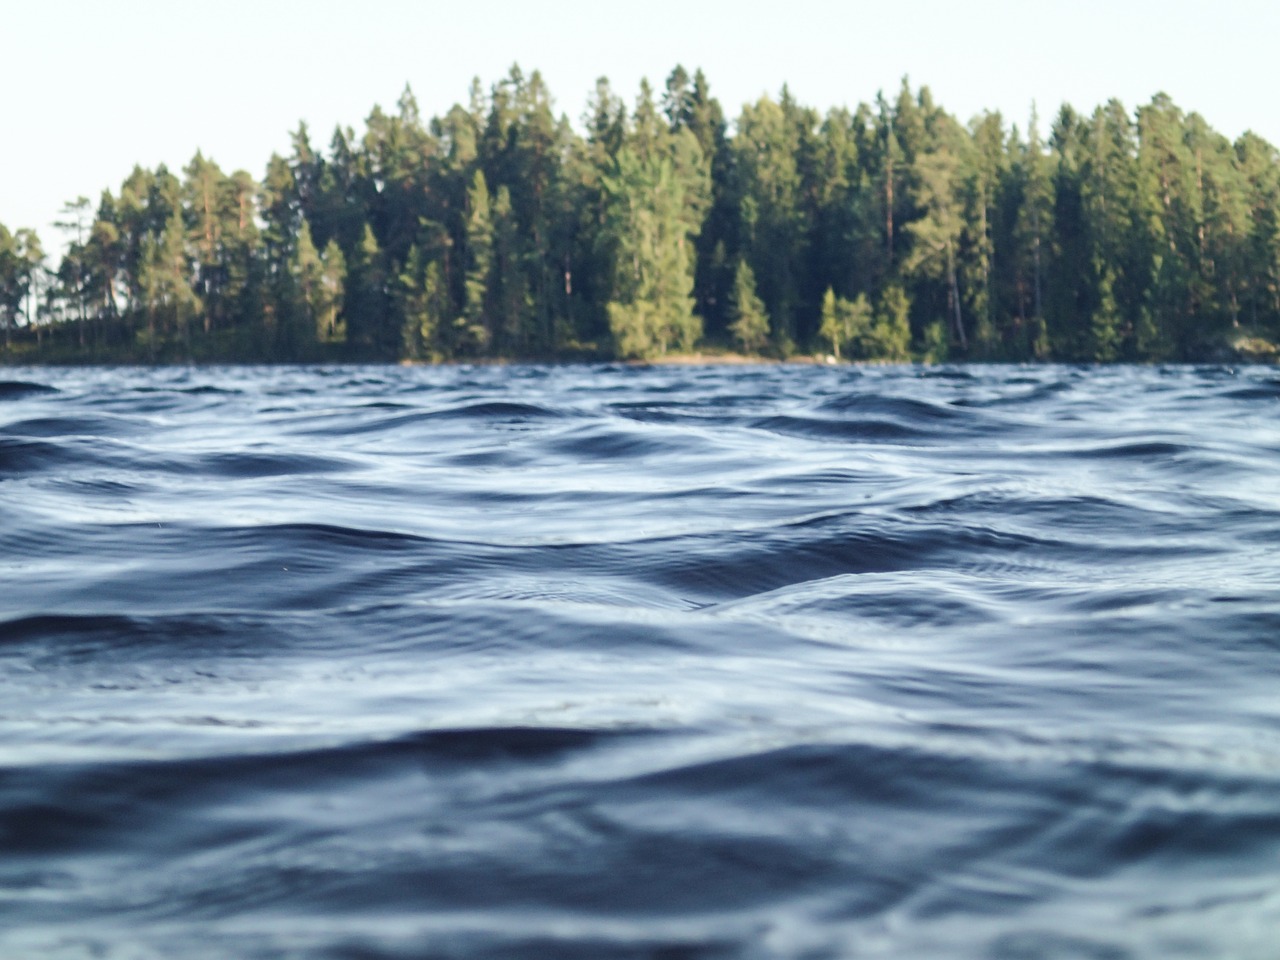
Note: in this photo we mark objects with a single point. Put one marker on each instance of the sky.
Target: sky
(96, 86)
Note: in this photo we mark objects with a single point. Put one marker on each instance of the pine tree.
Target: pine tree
(510, 295)
(1168, 173)
(307, 312)
(72, 273)
(689, 106)
(206, 196)
(474, 333)
(367, 302)
(12, 288)
(1259, 165)
(21, 260)
(1106, 323)
(651, 310)
(984, 173)
(171, 303)
(1068, 292)
(936, 234)
(498, 228)
(768, 181)
(243, 268)
(1119, 271)
(1032, 230)
(654, 196)
(423, 304)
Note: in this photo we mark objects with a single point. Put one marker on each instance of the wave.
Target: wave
(19, 389)
(615, 661)
(93, 426)
(1259, 390)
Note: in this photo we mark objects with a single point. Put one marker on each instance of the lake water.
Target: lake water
(682, 662)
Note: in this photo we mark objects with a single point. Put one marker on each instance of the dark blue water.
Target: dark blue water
(611, 662)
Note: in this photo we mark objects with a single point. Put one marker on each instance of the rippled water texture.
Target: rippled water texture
(607, 662)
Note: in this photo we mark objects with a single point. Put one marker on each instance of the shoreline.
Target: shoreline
(1248, 351)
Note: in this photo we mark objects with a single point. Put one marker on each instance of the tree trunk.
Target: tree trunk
(888, 208)
(955, 298)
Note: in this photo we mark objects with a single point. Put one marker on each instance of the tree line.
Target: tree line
(499, 230)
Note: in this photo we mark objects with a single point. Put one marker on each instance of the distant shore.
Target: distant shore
(671, 233)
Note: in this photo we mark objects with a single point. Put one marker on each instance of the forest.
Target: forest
(891, 232)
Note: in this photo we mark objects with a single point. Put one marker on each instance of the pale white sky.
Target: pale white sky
(95, 86)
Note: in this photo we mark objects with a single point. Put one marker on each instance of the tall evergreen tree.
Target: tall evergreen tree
(509, 293)
(368, 304)
(936, 234)
(773, 229)
(423, 305)
(170, 302)
(1031, 240)
(474, 332)
(655, 195)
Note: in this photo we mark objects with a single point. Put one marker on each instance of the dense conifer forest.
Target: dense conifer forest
(889, 232)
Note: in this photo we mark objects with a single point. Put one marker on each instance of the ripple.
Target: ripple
(778, 661)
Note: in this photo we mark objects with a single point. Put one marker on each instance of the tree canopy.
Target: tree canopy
(891, 231)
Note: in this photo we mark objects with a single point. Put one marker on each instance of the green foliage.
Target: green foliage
(883, 334)
(368, 302)
(1106, 325)
(512, 309)
(844, 321)
(331, 326)
(936, 347)
(423, 304)
(653, 195)
(890, 338)
(769, 185)
(937, 233)
(749, 320)
(497, 230)
(170, 302)
(473, 332)
(21, 257)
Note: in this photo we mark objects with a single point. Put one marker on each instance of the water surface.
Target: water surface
(616, 662)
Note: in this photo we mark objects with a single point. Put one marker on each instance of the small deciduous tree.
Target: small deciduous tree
(892, 325)
(749, 323)
(844, 321)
